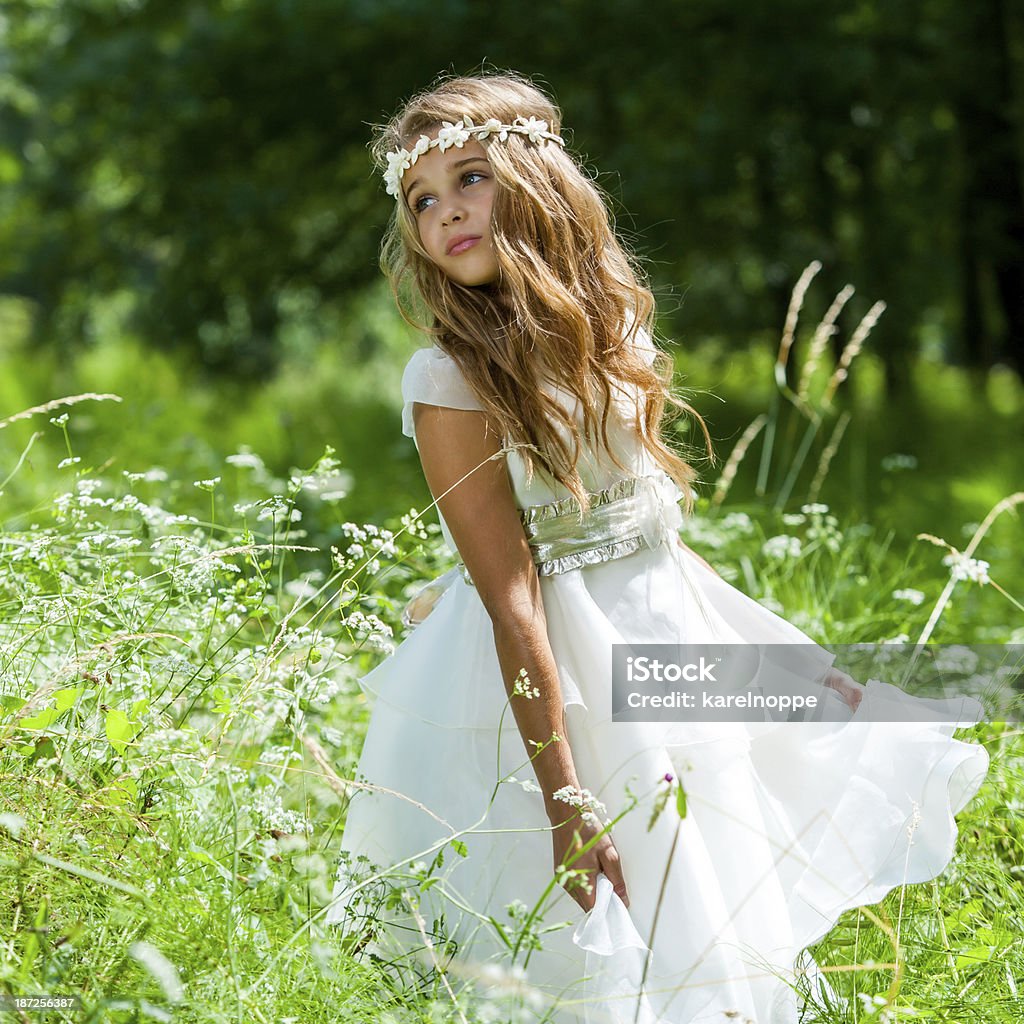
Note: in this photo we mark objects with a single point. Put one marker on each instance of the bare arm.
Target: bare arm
(481, 513)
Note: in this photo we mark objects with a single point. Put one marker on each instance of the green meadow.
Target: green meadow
(195, 574)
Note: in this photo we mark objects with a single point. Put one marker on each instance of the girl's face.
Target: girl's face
(450, 195)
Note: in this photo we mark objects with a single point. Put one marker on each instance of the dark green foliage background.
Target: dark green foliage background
(207, 163)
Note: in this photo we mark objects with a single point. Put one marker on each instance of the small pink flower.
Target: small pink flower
(669, 776)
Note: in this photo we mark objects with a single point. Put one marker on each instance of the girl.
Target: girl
(695, 859)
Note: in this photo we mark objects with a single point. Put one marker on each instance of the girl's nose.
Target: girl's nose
(453, 212)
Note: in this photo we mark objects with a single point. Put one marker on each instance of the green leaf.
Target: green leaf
(460, 848)
(120, 729)
(199, 854)
(69, 697)
(975, 956)
(9, 703)
(122, 792)
(45, 718)
(680, 800)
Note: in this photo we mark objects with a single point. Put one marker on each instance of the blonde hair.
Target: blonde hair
(568, 301)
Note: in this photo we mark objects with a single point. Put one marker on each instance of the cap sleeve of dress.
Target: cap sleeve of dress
(434, 378)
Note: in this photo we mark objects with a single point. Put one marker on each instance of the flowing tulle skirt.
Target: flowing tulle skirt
(786, 825)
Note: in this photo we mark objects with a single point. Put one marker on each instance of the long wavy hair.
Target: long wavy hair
(568, 301)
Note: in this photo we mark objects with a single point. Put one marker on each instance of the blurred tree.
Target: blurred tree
(991, 205)
(207, 160)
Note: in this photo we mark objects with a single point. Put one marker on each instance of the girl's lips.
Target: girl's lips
(463, 246)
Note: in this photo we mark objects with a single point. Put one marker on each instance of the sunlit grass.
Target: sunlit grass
(180, 713)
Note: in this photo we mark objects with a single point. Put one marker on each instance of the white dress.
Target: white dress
(785, 828)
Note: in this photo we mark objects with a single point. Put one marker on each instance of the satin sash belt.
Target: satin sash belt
(631, 514)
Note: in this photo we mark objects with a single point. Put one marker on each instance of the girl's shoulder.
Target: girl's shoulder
(432, 377)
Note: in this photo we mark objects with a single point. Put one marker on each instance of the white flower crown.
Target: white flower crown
(458, 133)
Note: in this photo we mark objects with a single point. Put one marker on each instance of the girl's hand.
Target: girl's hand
(568, 838)
(846, 686)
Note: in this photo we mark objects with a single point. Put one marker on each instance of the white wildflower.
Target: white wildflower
(915, 597)
(245, 458)
(355, 532)
(68, 462)
(963, 567)
(271, 814)
(270, 508)
(299, 589)
(590, 807)
(782, 547)
(206, 485)
(527, 785)
(522, 687)
(739, 522)
(956, 658)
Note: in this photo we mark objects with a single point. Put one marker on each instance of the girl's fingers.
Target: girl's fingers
(584, 899)
(612, 867)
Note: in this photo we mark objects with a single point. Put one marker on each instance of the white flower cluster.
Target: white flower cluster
(964, 568)
(822, 526)
(915, 597)
(371, 629)
(588, 804)
(527, 785)
(522, 687)
(739, 523)
(782, 547)
(956, 658)
(270, 813)
(456, 135)
(413, 523)
(155, 474)
(356, 557)
(246, 458)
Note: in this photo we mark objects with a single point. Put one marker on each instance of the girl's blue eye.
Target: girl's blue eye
(418, 206)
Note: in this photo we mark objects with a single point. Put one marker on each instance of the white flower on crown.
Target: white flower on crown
(422, 145)
(534, 128)
(452, 135)
(492, 126)
(456, 135)
(398, 163)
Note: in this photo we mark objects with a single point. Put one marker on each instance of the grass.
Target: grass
(180, 643)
